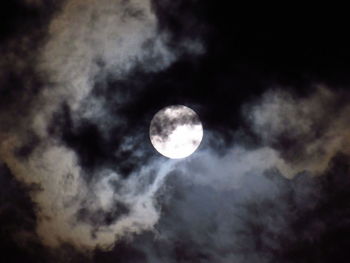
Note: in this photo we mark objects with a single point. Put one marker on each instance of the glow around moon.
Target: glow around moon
(176, 131)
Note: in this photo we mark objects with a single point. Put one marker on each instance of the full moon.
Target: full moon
(176, 131)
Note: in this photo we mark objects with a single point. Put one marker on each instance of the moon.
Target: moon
(176, 131)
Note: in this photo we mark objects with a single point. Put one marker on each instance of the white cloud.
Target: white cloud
(317, 126)
(87, 38)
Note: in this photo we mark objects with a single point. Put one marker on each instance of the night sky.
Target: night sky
(80, 81)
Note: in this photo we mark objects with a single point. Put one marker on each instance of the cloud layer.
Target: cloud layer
(80, 94)
(86, 42)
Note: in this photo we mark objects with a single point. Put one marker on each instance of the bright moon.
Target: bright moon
(176, 131)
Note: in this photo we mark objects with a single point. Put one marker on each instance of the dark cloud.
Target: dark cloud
(26, 149)
(269, 219)
(80, 81)
(98, 146)
(22, 34)
(17, 221)
(123, 253)
(101, 217)
(184, 22)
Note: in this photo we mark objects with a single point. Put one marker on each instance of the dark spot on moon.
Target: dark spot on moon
(163, 124)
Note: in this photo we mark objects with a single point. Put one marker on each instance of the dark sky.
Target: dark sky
(80, 81)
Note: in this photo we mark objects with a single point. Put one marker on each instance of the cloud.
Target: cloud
(18, 220)
(307, 131)
(85, 43)
(257, 203)
(261, 216)
(79, 138)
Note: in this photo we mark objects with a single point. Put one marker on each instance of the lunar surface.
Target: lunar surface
(176, 131)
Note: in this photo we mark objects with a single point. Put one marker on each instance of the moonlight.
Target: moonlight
(176, 131)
